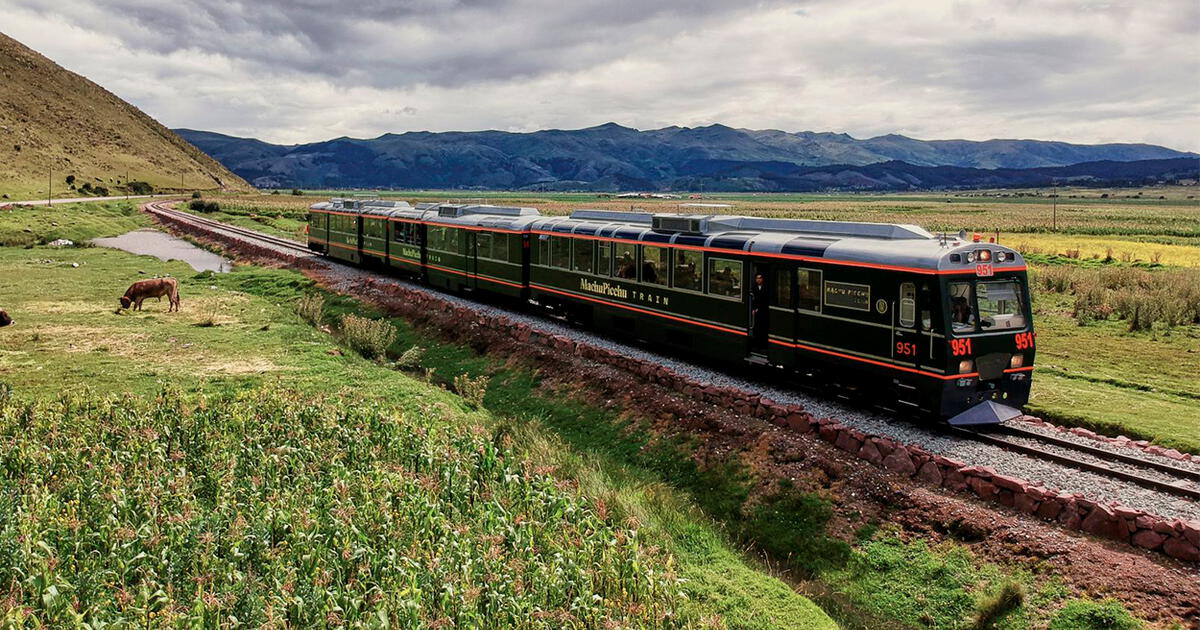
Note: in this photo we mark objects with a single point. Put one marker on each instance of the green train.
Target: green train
(931, 325)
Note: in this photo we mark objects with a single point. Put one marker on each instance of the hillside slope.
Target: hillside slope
(51, 117)
(612, 157)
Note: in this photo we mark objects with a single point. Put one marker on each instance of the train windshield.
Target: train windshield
(986, 306)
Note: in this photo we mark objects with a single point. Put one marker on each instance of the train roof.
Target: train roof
(868, 244)
(886, 245)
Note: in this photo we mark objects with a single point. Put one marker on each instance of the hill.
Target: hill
(52, 118)
(612, 157)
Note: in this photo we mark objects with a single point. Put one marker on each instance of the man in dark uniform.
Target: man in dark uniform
(758, 311)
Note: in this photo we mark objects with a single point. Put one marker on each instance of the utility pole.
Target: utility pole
(1054, 212)
(126, 184)
(50, 187)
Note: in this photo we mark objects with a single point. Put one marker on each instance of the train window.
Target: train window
(373, 228)
(782, 286)
(908, 304)
(1000, 304)
(808, 293)
(543, 250)
(689, 270)
(583, 255)
(655, 263)
(725, 277)
(604, 258)
(560, 252)
(437, 238)
(484, 242)
(625, 259)
(962, 309)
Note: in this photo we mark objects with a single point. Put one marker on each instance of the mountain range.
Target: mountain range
(716, 157)
(58, 127)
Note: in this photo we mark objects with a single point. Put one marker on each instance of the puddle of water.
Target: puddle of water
(166, 247)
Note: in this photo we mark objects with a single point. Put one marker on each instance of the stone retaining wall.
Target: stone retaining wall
(1173, 537)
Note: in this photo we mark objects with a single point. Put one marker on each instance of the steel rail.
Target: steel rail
(1095, 451)
(1175, 488)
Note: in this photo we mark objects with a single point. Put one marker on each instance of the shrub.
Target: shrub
(196, 195)
(411, 358)
(199, 205)
(994, 607)
(311, 308)
(100, 191)
(140, 188)
(1091, 305)
(70, 179)
(471, 389)
(1081, 614)
(369, 337)
(297, 192)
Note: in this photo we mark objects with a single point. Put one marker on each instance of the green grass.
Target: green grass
(1101, 376)
(78, 222)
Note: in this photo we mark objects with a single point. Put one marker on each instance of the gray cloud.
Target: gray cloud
(302, 70)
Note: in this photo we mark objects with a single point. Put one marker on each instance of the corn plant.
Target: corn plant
(268, 509)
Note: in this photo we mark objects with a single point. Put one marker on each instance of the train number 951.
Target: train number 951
(1024, 341)
(906, 348)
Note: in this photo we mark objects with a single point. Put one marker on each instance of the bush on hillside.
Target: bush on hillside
(140, 188)
(369, 337)
(297, 192)
(196, 195)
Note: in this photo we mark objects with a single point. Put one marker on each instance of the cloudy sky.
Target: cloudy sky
(294, 71)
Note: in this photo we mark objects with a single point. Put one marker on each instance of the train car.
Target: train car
(353, 230)
(478, 248)
(932, 325)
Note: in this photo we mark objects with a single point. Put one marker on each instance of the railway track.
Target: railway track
(1182, 482)
(1151, 474)
(160, 208)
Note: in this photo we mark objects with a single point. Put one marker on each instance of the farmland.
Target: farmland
(236, 432)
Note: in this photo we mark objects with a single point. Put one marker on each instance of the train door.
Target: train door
(358, 229)
(906, 336)
(471, 259)
(782, 285)
(760, 310)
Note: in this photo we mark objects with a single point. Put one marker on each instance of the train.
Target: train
(936, 326)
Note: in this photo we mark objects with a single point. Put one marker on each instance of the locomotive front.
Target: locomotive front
(989, 341)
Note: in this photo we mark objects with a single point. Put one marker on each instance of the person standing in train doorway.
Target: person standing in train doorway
(758, 313)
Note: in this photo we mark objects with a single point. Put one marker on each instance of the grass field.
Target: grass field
(241, 370)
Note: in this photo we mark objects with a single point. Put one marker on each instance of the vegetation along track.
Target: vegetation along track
(1170, 479)
(1152, 475)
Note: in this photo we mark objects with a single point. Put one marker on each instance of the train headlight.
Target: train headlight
(970, 257)
(1017, 360)
(985, 255)
(965, 366)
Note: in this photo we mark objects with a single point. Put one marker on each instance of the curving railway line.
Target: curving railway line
(1152, 473)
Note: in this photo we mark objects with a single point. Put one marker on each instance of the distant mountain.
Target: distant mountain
(54, 119)
(612, 157)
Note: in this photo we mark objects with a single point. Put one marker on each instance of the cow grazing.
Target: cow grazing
(5, 320)
(156, 288)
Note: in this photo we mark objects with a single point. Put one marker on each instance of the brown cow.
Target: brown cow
(158, 287)
(5, 320)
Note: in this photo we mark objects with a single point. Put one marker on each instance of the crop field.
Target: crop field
(236, 465)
